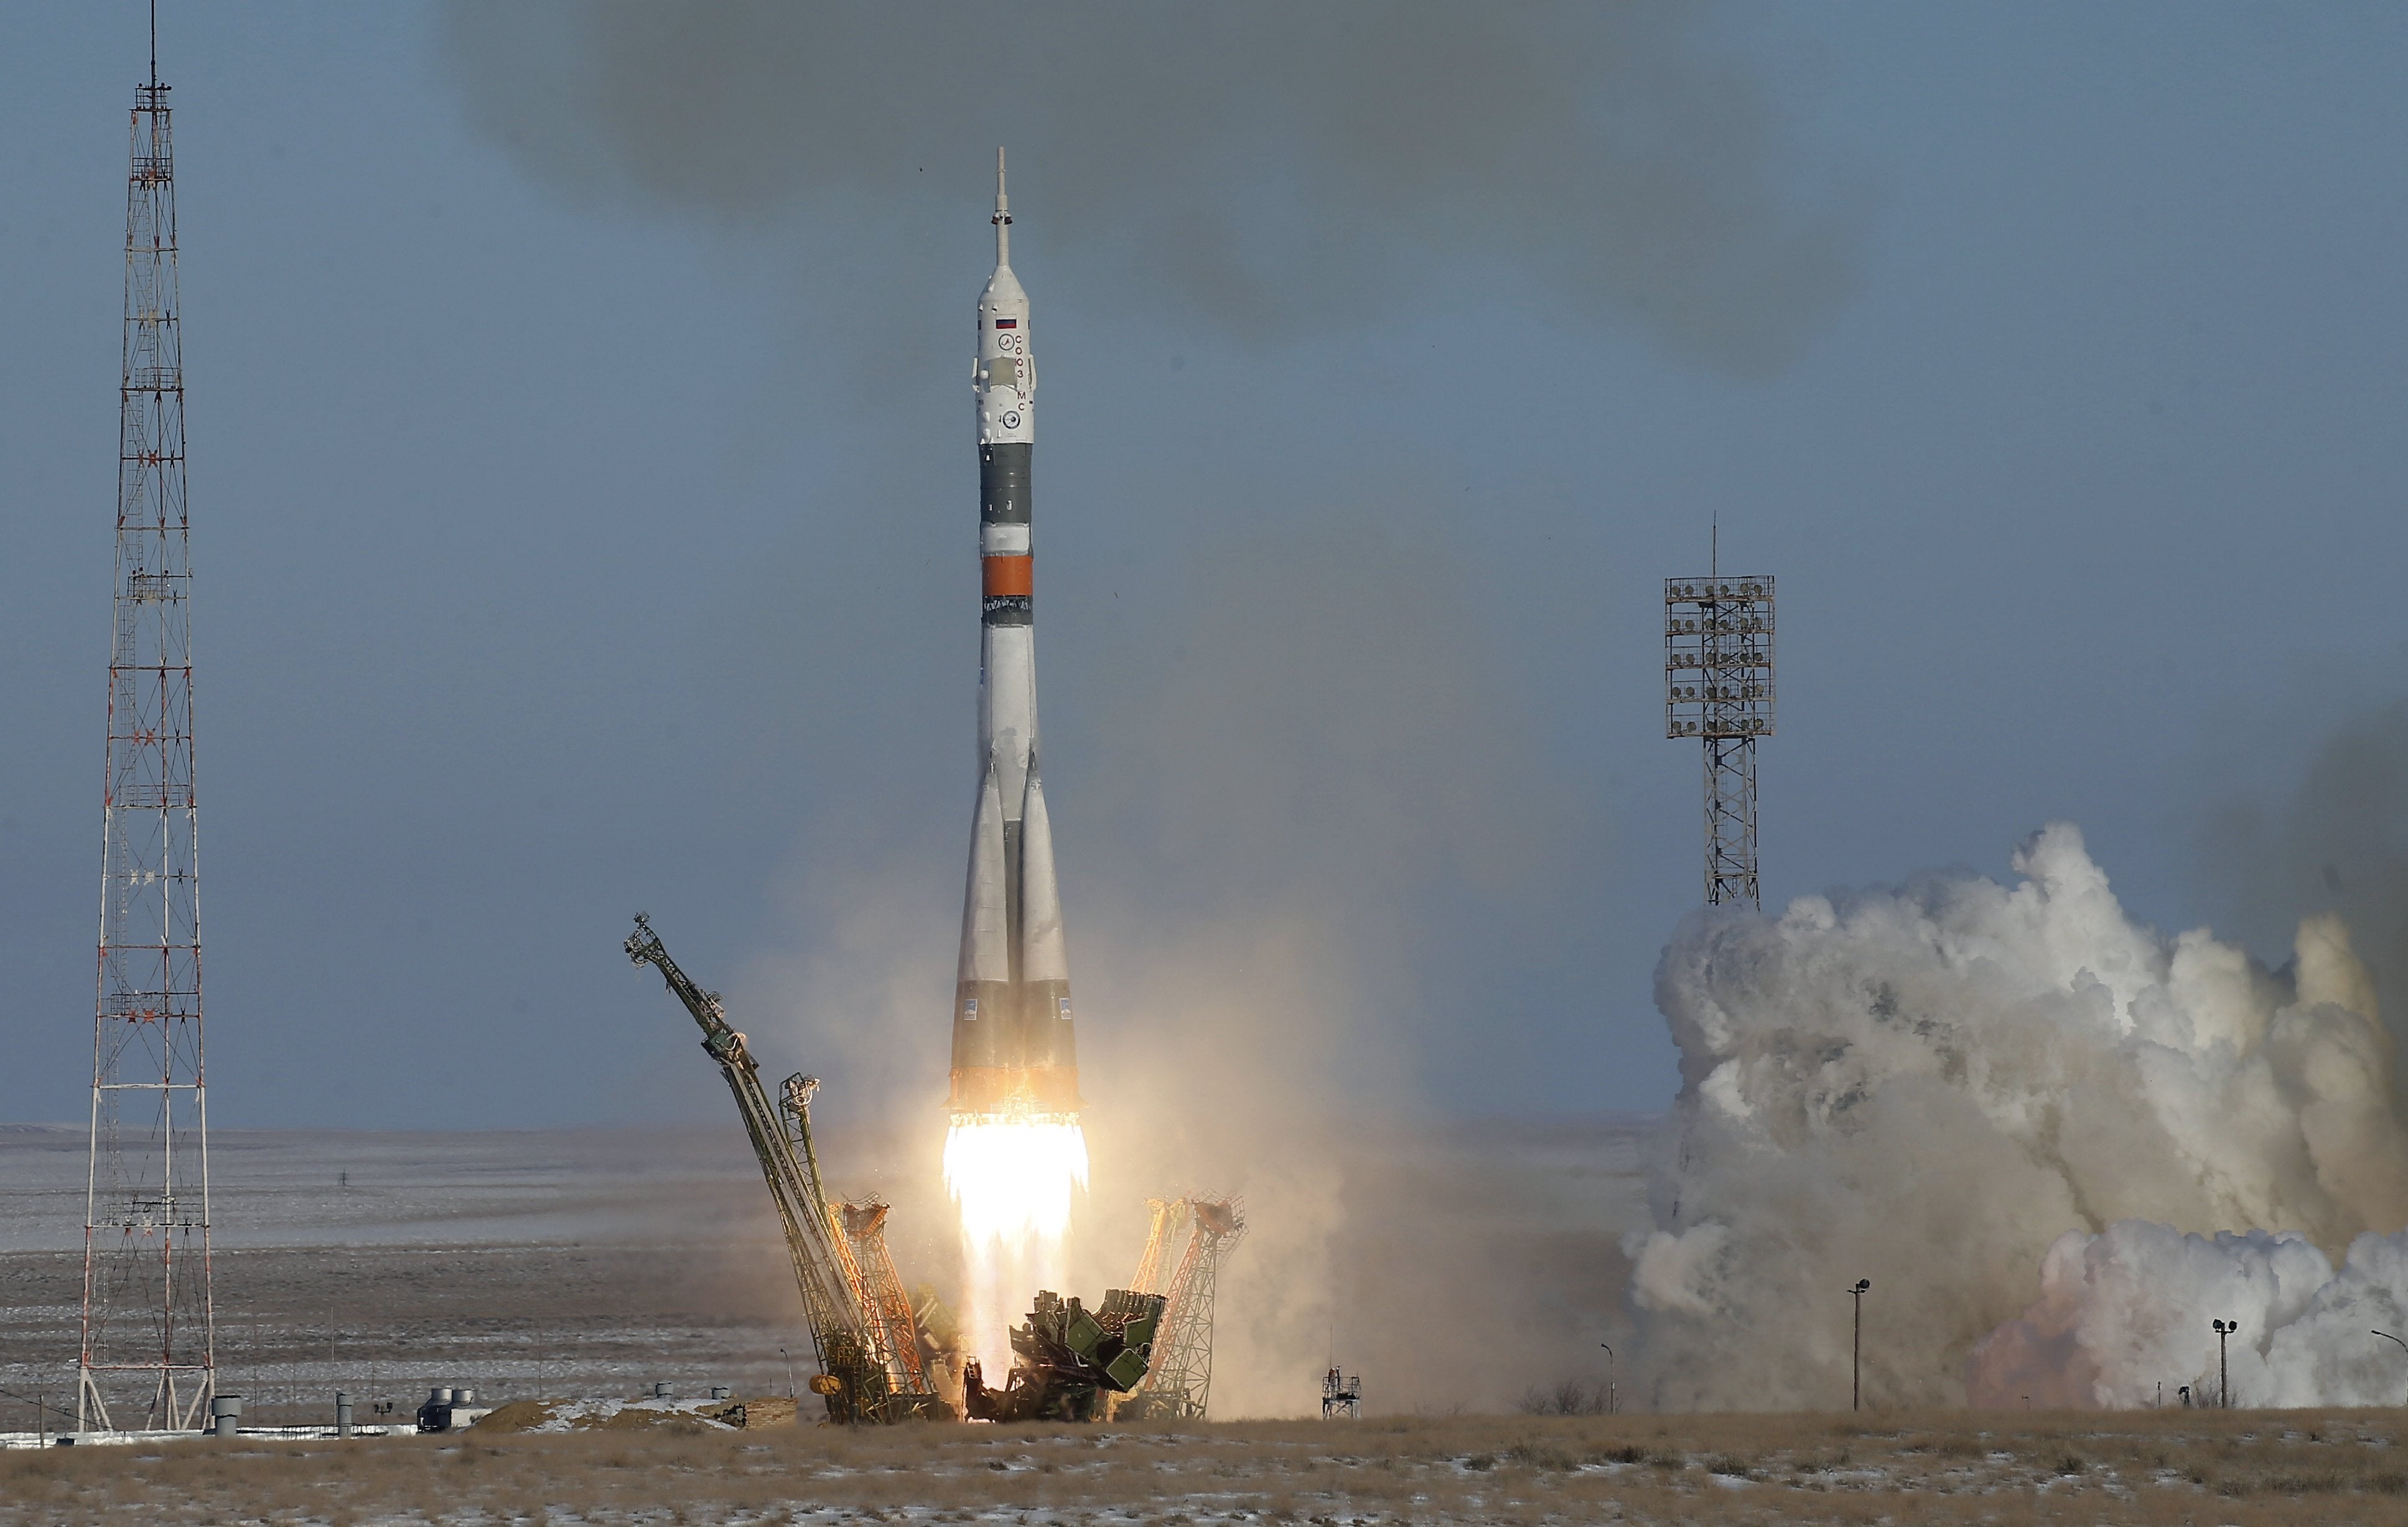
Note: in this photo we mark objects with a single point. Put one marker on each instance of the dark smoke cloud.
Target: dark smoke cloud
(1274, 167)
(2338, 843)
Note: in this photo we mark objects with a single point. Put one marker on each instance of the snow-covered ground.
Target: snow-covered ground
(649, 1464)
(596, 1262)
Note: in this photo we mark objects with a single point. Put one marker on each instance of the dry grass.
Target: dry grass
(2244, 1468)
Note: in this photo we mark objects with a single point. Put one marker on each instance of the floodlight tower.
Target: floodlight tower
(1718, 688)
(148, 1339)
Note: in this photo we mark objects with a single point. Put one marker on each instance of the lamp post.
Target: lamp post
(2224, 1328)
(1609, 1377)
(2394, 1340)
(1856, 1350)
(790, 1372)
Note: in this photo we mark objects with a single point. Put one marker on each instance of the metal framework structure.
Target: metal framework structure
(1070, 1363)
(149, 1338)
(1163, 1217)
(1718, 688)
(893, 1329)
(855, 1379)
(1179, 1385)
(1342, 1396)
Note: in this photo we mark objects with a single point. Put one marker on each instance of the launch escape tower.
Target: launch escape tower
(1718, 688)
(149, 1353)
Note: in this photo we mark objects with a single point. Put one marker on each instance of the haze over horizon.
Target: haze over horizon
(583, 499)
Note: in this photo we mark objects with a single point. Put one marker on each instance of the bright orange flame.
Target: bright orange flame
(1012, 1179)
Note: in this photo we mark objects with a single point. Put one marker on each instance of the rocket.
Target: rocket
(1015, 1049)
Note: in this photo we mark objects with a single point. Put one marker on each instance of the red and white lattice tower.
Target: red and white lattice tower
(149, 1358)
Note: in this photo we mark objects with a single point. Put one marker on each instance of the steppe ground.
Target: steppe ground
(592, 1263)
(2235, 1467)
(596, 1262)
(519, 1263)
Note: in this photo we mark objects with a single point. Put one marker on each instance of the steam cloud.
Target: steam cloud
(1930, 1085)
(1275, 168)
(2123, 1320)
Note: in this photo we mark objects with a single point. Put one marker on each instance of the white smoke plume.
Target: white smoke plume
(2123, 1320)
(1928, 1086)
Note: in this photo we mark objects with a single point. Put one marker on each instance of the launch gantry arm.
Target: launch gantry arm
(1166, 1216)
(1179, 1381)
(890, 1332)
(858, 1387)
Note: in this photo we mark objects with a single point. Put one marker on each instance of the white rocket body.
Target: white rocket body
(1015, 1051)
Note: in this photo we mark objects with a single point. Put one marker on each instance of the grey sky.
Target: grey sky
(565, 546)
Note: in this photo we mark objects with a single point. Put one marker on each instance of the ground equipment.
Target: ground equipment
(859, 1376)
(1069, 1359)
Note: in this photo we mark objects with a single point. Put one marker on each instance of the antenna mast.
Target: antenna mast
(149, 1355)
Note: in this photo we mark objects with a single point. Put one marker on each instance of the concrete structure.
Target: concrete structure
(451, 1409)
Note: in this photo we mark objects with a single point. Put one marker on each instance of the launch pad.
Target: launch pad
(879, 1355)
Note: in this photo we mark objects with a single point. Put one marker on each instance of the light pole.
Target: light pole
(2394, 1340)
(2224, 1328)
(1609, 1377)
(1856, 1350)
(790, 1374)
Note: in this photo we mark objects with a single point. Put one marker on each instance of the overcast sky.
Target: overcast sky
(584, 504)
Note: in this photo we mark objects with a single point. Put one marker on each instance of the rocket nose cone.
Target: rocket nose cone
(1003, 292)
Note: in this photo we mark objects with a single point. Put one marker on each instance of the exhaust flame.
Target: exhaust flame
(1012, 1179)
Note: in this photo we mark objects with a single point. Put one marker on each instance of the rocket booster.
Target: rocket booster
(1015, 1049)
